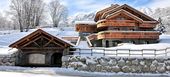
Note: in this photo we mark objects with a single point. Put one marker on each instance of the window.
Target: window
(107, 43)
(37, 59)
(132, 29)
(120, 18)
(133, 42)
(145, 42)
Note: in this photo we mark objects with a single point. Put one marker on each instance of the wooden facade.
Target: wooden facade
(86, 28)
(128, 35)
(116, 23)
(121, 22)
(41, 49)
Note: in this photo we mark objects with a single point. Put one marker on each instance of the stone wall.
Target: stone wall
(7, 60)
(117, 64)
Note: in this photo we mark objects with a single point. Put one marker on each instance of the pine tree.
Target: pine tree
(161, 28)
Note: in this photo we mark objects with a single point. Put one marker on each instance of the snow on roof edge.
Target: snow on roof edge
(59, 38)
(44, 31)
(86, 22)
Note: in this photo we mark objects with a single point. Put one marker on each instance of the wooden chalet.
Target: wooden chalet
(41, 49)
(120, 24)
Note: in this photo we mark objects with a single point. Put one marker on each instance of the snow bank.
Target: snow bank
(143, 46)
(83, 45)
(7, 51)
(11, 74)
(67, 72)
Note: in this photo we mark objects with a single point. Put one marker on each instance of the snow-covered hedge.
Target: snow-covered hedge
(117, 64)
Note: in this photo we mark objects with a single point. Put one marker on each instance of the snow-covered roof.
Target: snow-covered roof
(85, 22)
(83, 45)
(156, 46)
(7, 51)
(8, 39)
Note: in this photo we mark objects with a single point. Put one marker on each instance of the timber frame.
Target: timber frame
(40, 35)
(40, 48)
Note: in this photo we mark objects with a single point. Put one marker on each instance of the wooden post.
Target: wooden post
(166, 54)
(129, 52)
(79, 51)
(155, 52)
(104, 52)
(116, 53)
(142, 52)
(91, 52)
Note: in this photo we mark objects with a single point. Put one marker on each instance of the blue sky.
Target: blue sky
(85, 6)
(76, 6)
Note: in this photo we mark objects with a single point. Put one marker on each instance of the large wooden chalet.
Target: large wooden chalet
(119, 24)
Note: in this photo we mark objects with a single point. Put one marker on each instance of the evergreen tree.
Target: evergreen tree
(161, 28)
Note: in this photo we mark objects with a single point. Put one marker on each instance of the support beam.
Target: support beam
(104, 43)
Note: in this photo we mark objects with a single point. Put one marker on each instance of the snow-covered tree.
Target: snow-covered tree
(58, 13)
(5, 24)
(81, 17)
(161, 28)
(27, 12)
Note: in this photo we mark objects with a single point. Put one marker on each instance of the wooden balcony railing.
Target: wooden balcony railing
(92, 37)
(128, 35)
(147, 25)
(115, 23)
(86, 28)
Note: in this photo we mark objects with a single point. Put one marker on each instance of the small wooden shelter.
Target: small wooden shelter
(41, 49)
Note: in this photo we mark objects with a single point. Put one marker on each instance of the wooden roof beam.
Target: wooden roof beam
(126, 6)
(102, 11)
(31, 42)
(126, 13)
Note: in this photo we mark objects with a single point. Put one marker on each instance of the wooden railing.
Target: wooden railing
(147, 25)
(86, 28)
(115, 23)
(92, 37)
(123, 52)
(128, 34)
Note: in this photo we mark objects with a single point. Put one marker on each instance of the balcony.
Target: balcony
(116, 23)
(92, 37)
(128, 35)
(86, 28)
(147, 25)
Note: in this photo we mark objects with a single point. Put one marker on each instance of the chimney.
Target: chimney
(112, 4)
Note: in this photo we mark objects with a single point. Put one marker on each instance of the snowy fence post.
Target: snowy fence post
(166, 53)
(142, 52)
(116, 53)
(103, 52)
(79, 51)
(91, 52)
(155, 52)
(129, 52)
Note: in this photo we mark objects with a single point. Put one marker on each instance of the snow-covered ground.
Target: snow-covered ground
(16, 74)
(6, 71)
